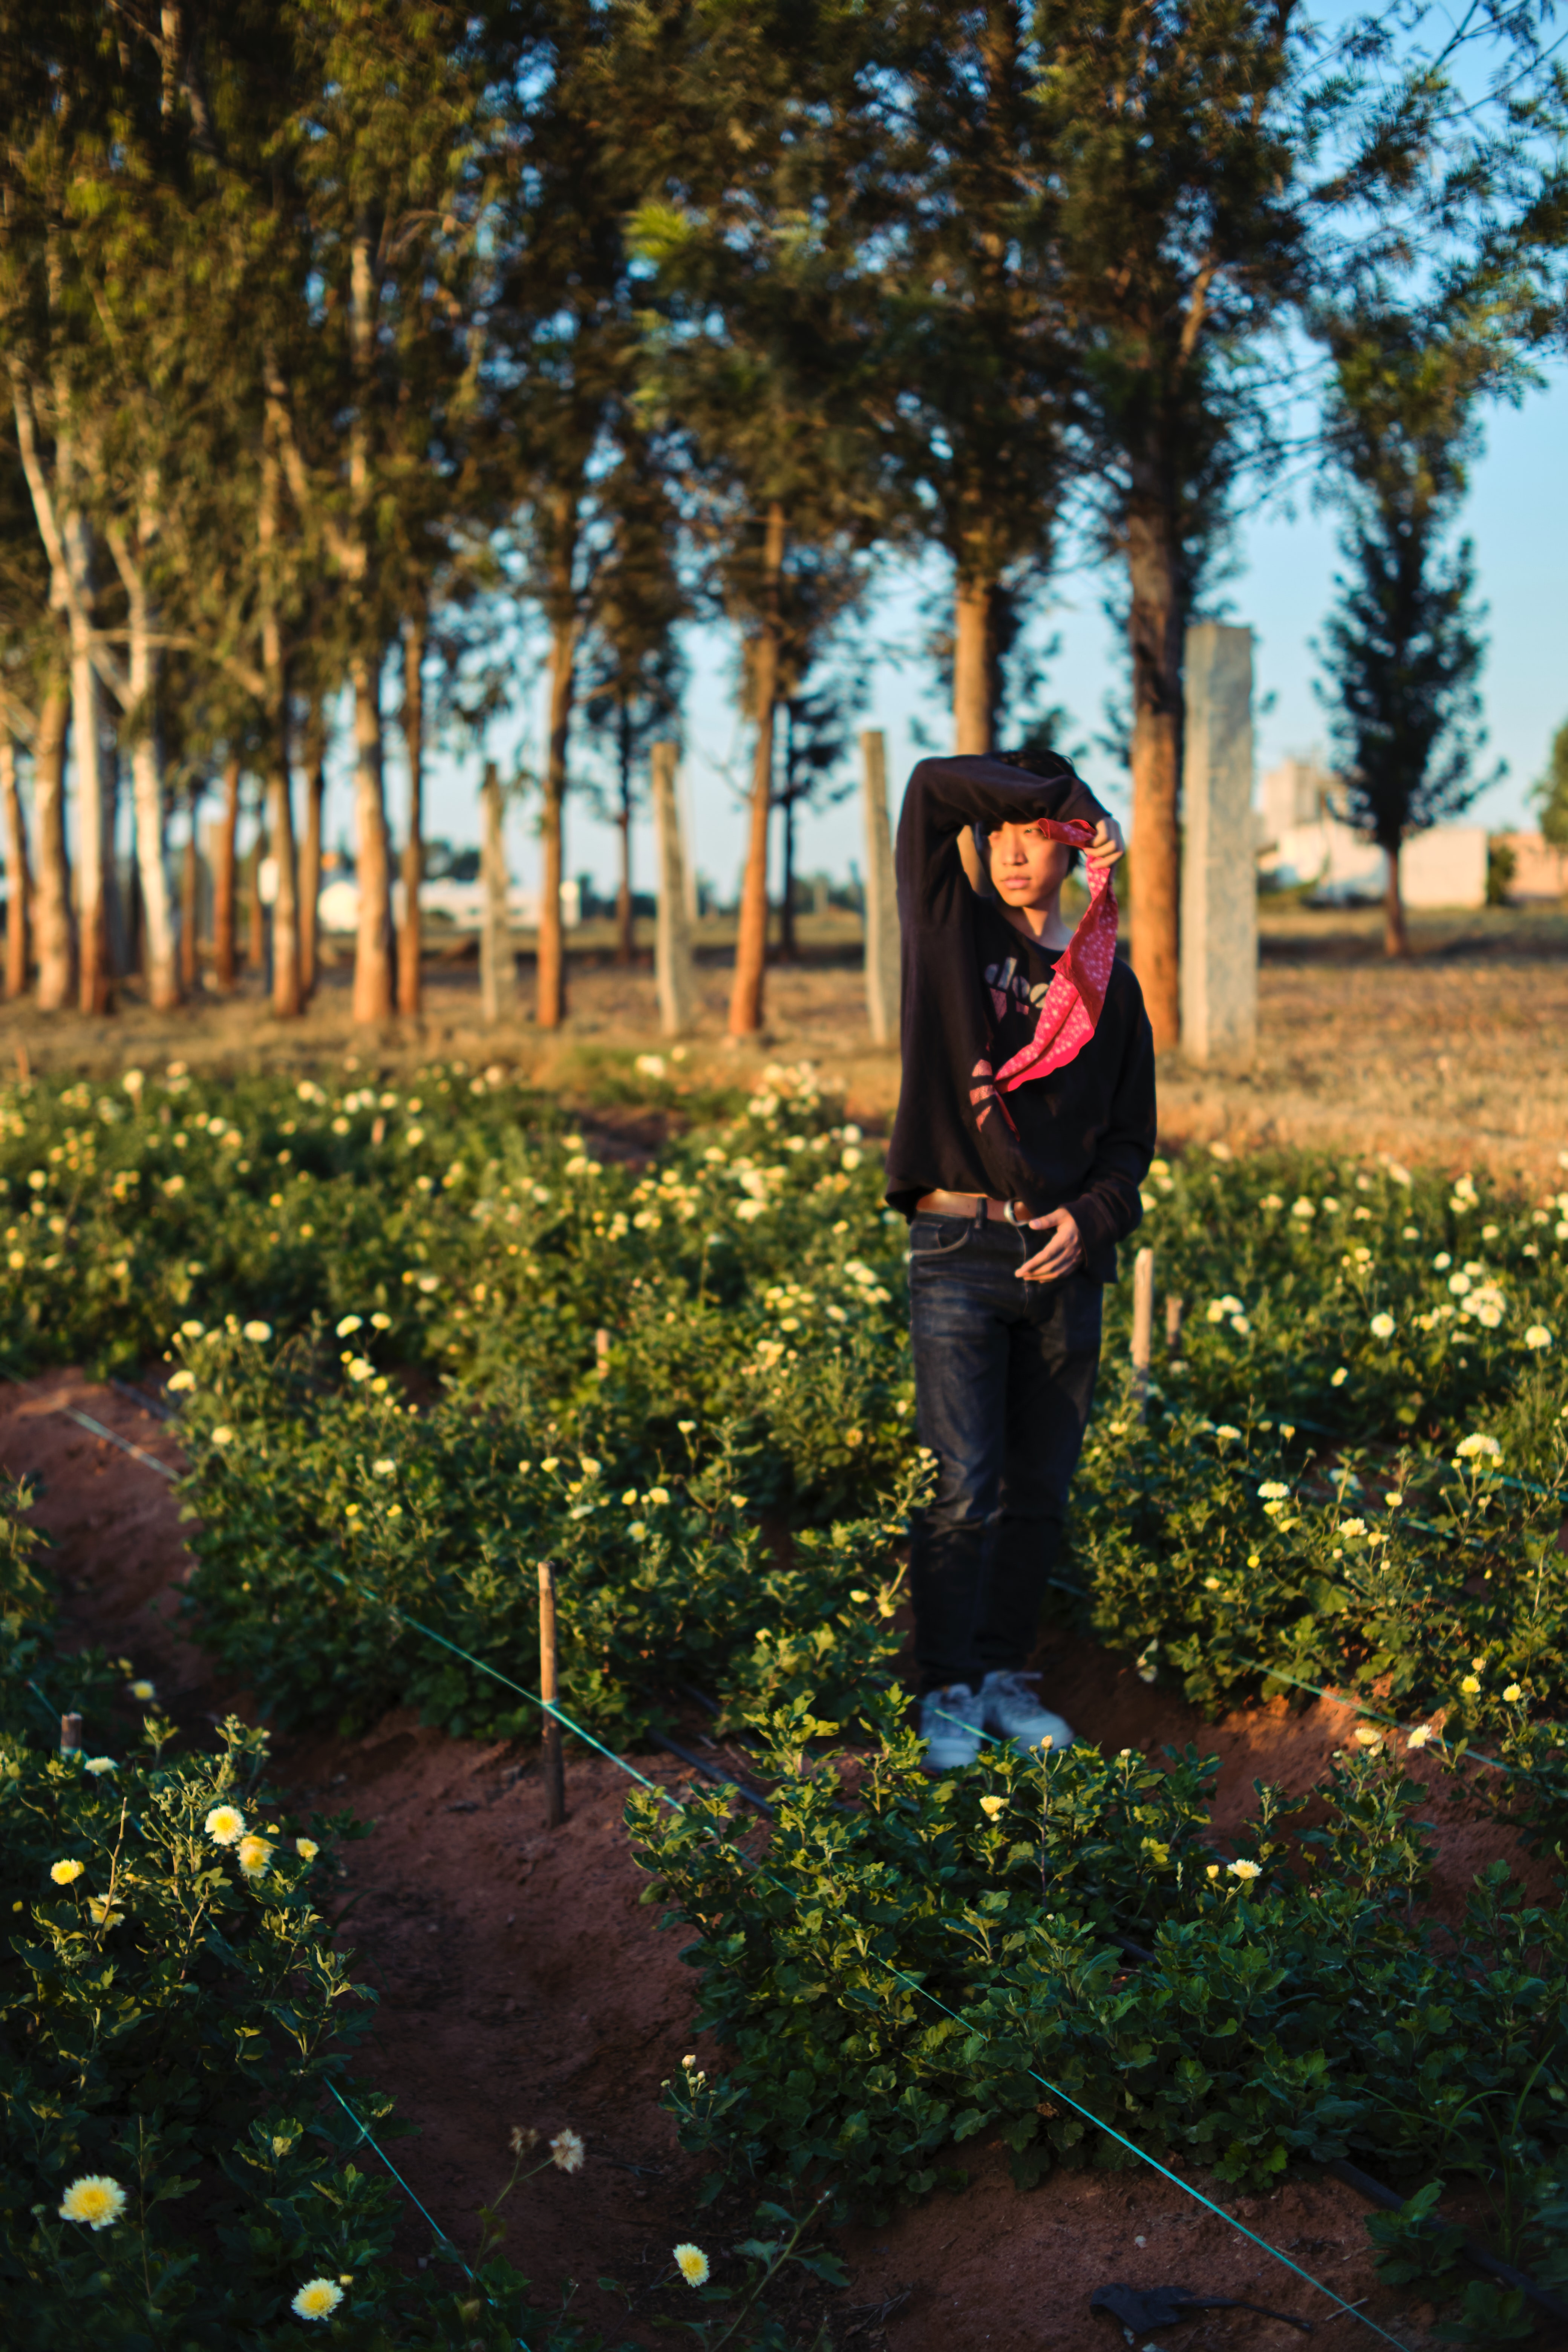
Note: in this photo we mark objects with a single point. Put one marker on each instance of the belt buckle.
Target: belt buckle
(1010, 1211)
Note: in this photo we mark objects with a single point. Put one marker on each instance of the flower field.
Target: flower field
(422, 1338)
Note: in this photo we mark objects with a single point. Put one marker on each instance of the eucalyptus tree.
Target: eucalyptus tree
(765, 360)
(983, 378)
(635, 670)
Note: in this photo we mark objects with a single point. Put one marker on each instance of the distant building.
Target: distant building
(1303, 840)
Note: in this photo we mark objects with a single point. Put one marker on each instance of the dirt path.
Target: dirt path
(520, 1982)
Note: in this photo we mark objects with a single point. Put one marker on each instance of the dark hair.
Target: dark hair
(1036, 759)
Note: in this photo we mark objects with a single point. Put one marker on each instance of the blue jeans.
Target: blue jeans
(1005, 1376)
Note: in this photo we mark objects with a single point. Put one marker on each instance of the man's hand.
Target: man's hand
(1107, 847)
(1062, 1252)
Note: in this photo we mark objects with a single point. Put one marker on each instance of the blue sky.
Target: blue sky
(1517, 515)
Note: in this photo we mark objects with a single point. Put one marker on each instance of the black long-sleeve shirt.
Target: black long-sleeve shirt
(1080, 1137)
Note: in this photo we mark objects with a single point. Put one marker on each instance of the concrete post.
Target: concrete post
(881, 897)
(1219, 880)
(497, 978)
(674, 969)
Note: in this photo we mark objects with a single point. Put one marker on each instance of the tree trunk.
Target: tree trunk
(190, 895)
(18, 881)
(224, 877)
(55, 936)
(162, 957)
(1155, 632)
(256, 906)
(625, 936)
(372, 997)
(1395, 937)
(122, 942)
(310, 852)
(286, 1002)
(752, 942)
(973, 666)
(94, 993)
(549, 1008)
(410, 944)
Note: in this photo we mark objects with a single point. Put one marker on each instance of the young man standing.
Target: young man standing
(1024, 1127)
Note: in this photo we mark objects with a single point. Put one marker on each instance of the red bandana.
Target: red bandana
(1074, 1001)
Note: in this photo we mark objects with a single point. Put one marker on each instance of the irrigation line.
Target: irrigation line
(370, 2141)
(139, 1453)
(549, 1706)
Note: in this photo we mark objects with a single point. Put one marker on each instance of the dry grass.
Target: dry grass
(1457, 1056)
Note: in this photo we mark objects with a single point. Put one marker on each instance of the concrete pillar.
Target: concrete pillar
(881, 897)
(674, 969)
(498, 972)
(1219, 880)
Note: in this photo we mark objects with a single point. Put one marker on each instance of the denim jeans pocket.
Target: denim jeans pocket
(937, 1237)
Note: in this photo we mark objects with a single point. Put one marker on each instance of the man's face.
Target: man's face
(1027, 866)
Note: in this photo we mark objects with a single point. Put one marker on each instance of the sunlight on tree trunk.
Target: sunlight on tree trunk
(55, 925)
(190, 893)
(18, 885)
(224, 878)
(310, 852)
(93, 992)
(1396, 936)
(550, 999)
(752, 944)
(286, 1002)
(372, 948)
(410, 943)
(1155, 633)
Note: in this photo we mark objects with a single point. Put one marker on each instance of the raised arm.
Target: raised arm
(944, 797)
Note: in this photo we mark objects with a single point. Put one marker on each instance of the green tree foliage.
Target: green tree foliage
(1551, 793)
(1402, 646)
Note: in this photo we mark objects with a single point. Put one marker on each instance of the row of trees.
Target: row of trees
(335, 329)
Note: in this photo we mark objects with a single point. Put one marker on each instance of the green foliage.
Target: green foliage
(1550, 794)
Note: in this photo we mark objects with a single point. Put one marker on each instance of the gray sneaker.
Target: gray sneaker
(951, 1725)
(1014, 1714)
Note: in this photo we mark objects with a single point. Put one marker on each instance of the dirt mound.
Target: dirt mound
(520, 1982)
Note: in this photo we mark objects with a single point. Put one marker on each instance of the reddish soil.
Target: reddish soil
(521, 1982)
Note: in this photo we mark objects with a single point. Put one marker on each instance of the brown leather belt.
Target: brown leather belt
(967, 1205)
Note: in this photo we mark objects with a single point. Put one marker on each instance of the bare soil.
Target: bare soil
(1455, 1056)
(521, 1982)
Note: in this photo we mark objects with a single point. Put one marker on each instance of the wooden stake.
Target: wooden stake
(1174, 1309)
(602, 1354)
(1142, 1324)
(70, 1734)
(549, 1759)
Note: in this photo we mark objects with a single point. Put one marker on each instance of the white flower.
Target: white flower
(649, 1066)
(93, 2200)
(96, 1764)
(1338, 1379)
(350, 1323)
(224, 1824)
(383, 1468)
(1382, 1327)
(1420, 1736)
(1459, 1283)
(223, 1434)
(1245, 1871)
(1273, 1490)
(257, 1330)
(319, 2297)
(1304, 1209)
(1538, 1336)
(179, 1382)
(567, 2152)
(359, 1368)
(1225, 1431)
(692, 2264)
(1352, 1528)
(1470, 1449)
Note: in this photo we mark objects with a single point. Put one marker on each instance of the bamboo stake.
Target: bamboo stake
(549, 1759)
(602, 1353)
(70, 1734)
(1174, 1309)
(1142, 1324)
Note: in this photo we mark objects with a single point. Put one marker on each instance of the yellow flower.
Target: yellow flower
(94, 2200)
(317, 2299)
(224, 1823)
(692, 2264)
(1245, 1871)
(143, 1691)
(1368, 1736)
(307, 1849)
(1470, 1686)
(567, 2151)
(257, 1331)
(992, 1806)
(254, 1854)
(65, 1873)
(223, 1435)
(103, 1912)
(1512, 1694)
(1420, 1736)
